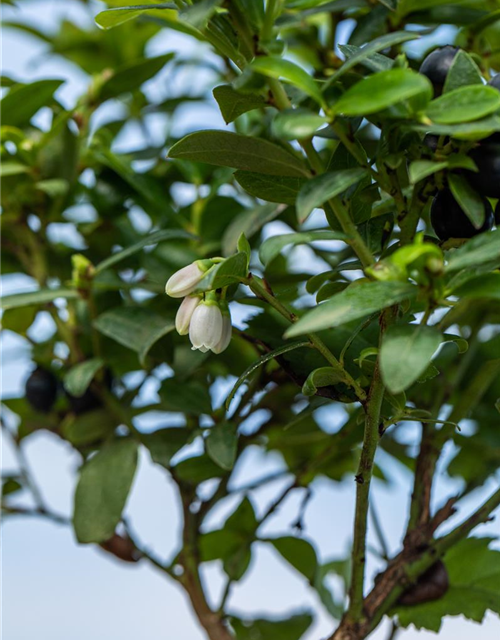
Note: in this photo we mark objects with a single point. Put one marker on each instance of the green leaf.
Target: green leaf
(197, 469)
(375, 62)
(233, 104)
(227, 149)
(322, 377)
(281, 189)
(258, 363)
(463, 72)
(88, 427)
(290, 72)
(474, 587)
(383, 42)
(382, 90)
(406, 353)
(102, 490)
(131, 76)
(152, 238)
(42, 296)
(272, 247)
(78, 378)
(294, 124)
(136, 328)
(355, 302)
(484, 286)
(114, 17)
(231, 271)
(462, 131)
(163, 444)
(299, 553)
(476, 251)
(421, 169)
(471, 203)
(191, 397)
(221, 445)
(463, 105)
(291, 628)
(21, 103)
(197, 15)
(318, 190)
(249, 222)
(462, 344)
(13, 169)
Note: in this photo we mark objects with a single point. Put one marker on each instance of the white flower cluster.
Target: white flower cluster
(206, 318)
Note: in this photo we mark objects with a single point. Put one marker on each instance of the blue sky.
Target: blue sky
(57, 590)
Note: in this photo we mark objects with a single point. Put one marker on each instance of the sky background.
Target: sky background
(54, 589)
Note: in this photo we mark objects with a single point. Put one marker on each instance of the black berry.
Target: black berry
(436, 66)
(449, 221)
(90, 399)
(497, 215)
(487, 158)
(41, 389)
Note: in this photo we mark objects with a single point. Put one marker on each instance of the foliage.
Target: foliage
(345, 145)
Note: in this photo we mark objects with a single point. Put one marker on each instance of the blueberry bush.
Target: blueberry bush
(384, 165)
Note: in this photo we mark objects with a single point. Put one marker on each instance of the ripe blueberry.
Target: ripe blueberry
(487, 158)
(436, 66)
(41, 389)
(449, 221)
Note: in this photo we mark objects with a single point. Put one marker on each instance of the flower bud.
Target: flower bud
(185, 313)
(185, 281)
(205, 329)
(227, 330)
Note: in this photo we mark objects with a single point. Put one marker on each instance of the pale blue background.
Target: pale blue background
(54, 589)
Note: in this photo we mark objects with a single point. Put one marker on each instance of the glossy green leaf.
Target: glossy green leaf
(273, 246)
(131, 76)
(114, 17)
(318, 190)
(102, 491)
(299, 553)
(290, 72)
(13, 169)
(484, 286)
(281, 189)
(471, 203)
(294, 124)
(136, 328)
(355, 302)
(227, 149)
(476, 251)
(379, 44)
(197, 15)
(233, 104)
(382, 90)
(375, 62)
(463, 131)
(406, 353)
(463, 72)
(464, 104)
(231, 271)
(78, 378)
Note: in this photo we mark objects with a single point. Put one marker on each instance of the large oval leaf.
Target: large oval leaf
(464, 105)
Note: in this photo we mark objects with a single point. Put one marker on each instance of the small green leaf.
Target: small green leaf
(163, 444)
(322, 377)
(13, 169)
(227, 149)
(258, 363)
(463, 105)
(21, 103)
(233, 270)
(152, 238)
(102, 490)
(471, 203)
(382, 90)
(299, 553)
(290, 72)
(421, 169)
(131, 76)
(88, 427)
(318, 190)
(486, 285)
(189, 397)
(462, 344)
(42, 296)
(221, 445)
(234, 104)
(375, 62)
(379, 44)
(462, 131)
(197, 15)
(355, 302)
(78, 378)
(281, 189)
(463, 72)
(406, 353)
(272, 247)
(114, 17)
(294, 124)
(291, 628)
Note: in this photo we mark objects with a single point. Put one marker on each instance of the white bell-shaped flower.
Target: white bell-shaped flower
(185, 313)
(185, 281)
(227, 330)
(205, 329)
